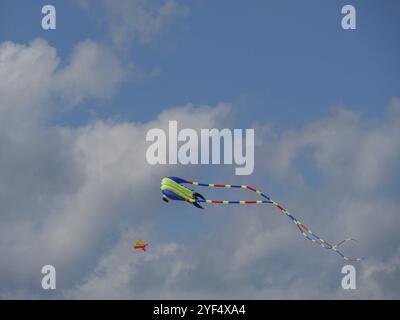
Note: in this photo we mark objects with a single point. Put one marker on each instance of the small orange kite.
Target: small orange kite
(140, 245)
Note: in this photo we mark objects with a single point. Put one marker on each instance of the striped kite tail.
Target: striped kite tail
(305, 231)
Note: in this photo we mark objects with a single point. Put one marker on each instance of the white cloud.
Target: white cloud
(65, 191)
(123, 273)
(341, 148)
(26, 73)
(137, 20)
(259, 253)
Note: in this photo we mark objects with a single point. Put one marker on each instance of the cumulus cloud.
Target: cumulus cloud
(259, 254)
(31, 78)
(118, 274)
(25, 72)
(65, 191)
(97, 69)
(140, 19)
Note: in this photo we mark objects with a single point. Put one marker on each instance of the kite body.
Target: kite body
(173, 189)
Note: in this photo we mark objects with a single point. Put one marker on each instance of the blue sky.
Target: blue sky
(252, 55)
(76, 190)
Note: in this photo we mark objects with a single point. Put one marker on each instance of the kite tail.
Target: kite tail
(304, 230)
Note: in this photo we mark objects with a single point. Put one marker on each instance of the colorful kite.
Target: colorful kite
(173, 189)
(140, 245)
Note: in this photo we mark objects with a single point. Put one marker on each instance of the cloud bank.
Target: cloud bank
(77, 198)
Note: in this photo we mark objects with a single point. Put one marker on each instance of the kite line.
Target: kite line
(173, 189)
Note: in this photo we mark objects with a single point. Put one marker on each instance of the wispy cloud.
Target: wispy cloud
(130, 21)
